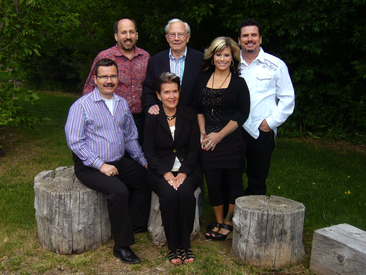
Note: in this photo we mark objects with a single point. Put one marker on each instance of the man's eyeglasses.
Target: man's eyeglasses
(105, 77)
(179, 34)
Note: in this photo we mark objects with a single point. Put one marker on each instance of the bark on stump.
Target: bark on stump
(71, 218)
(268, 231)
(155, 225)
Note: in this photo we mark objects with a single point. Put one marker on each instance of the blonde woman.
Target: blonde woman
(222, 106)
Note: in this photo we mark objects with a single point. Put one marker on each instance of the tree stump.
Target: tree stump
(71, 218)
(268, 231)
(339, 249)
(155, 225)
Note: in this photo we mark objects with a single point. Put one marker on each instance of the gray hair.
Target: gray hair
(166, 77)
(176, 20)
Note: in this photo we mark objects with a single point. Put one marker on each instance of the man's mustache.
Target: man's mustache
(109, 85)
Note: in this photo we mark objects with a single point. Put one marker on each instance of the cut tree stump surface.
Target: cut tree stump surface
(155, 225)
(268, 231)
(339, 249)
(71, 218)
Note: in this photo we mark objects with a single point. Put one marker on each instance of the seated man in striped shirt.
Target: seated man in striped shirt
(99, 129)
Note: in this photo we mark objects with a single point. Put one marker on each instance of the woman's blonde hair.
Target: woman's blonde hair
(217, 45)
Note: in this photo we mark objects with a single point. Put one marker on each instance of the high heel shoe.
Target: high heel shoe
(222, 237)
(211, 231)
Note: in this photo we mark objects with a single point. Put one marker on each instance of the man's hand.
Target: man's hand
(108, 170)
(264, 126)
(154, 109)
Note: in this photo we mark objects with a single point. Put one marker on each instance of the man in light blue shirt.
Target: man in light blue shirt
(99, 129)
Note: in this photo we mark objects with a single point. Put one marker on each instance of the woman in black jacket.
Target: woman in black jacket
(171, 145)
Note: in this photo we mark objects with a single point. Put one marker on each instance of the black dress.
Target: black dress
(219, 106)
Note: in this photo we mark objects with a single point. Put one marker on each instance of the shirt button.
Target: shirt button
(174, 150)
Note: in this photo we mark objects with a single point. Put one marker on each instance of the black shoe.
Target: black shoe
(212, 226)
(211, 231)
(139, 229)
(222, 237)
(126, 255)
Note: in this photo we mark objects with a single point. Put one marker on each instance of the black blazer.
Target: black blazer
(160, 63)
(160, 149)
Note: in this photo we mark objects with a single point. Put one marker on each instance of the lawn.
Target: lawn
(327, 177)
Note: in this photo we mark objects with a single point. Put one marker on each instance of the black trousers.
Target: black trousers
(259, 153)
(229, 179)
(177, 208)
(139, 120)
(128, 196)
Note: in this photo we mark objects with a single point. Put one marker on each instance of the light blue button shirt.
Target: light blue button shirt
(177, 65)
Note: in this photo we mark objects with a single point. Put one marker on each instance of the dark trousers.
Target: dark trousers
(219, 179)
(259, 153)
(126, 210)
(177, 209)
(140, 125)
(139, 120)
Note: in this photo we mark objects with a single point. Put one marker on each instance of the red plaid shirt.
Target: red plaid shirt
(131, 75)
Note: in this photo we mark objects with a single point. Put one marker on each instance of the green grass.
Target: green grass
(326, 178)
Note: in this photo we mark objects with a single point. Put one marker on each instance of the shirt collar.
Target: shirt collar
(183, 56)
(259, 57)
(118, 51)
(98, 97)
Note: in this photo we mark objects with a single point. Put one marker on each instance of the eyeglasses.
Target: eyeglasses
(179, 34)
(106, 77)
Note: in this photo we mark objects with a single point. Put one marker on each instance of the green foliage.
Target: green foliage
(26, 26)
(12, 102)
(322, 42)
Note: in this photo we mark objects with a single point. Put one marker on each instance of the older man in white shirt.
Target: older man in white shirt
(272, 101)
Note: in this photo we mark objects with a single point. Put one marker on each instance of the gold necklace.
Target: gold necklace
(172, 116)
(213, 81)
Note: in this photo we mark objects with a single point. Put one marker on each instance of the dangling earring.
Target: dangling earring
(159, 98)
(212, 62)
(232, 63)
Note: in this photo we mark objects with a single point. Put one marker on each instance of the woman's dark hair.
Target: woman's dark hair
(166, 77)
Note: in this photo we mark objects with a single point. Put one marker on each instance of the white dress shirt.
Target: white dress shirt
(272, 96)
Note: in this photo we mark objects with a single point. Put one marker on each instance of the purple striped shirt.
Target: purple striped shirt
(96, 136)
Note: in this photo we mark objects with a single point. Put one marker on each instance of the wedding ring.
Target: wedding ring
(111, 173)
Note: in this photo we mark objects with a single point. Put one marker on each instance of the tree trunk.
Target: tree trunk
(268, 231)
(71, 218)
